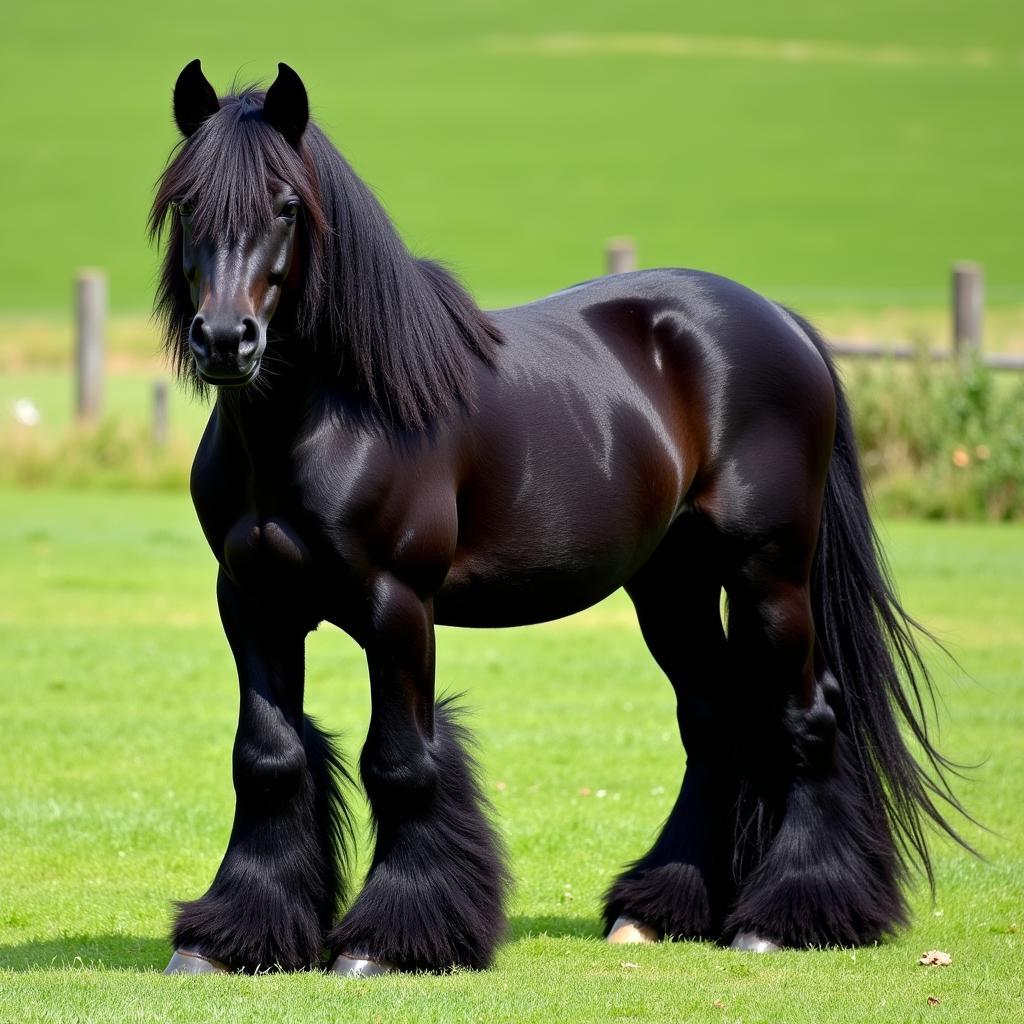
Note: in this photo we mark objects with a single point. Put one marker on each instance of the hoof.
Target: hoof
(346, 966)
(751, 942)
(188, 961)
(626, 930)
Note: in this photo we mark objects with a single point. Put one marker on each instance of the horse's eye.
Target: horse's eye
(290, 209)
(186, 208)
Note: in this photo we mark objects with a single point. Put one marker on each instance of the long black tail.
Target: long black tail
(871, 645)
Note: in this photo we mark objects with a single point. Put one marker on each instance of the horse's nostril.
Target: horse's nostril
(199, 339)
(250, 336)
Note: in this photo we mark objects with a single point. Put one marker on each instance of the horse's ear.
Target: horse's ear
(286, 106)
(194, 98)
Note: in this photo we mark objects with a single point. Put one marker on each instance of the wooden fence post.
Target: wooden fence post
(160, 417)
(621, 255)
(90, 325)
(968, 310)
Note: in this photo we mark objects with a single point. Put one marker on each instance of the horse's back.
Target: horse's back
(715, 359)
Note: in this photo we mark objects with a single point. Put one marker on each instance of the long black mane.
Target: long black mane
(398, 332)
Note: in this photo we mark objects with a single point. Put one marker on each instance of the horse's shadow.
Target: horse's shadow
(150, 953)
(94, 952)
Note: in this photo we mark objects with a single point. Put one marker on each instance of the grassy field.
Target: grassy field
(837, 157)
(118, 706)
(839, 154)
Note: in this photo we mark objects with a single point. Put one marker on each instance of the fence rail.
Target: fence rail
(902, 351)
(967, 311)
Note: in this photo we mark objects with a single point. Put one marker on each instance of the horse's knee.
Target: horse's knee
(397, 774)
(269, 762)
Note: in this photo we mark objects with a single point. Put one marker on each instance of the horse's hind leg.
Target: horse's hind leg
(814, 854)
(682, 887)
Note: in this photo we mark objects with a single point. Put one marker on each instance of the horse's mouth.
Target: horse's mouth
(235, 381)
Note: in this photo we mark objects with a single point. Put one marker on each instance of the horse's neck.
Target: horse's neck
(266, 420)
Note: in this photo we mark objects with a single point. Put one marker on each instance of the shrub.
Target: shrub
(114, 454)
(940, 441)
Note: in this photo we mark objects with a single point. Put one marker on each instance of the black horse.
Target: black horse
(384, 456)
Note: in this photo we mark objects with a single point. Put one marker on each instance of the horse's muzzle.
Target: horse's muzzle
(226, 351)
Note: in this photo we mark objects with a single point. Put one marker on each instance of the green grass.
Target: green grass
(827, 153)
(118, 705)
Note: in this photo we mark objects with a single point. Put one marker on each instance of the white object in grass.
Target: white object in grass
(27, 412)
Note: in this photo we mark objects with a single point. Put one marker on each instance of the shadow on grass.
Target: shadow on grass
(94, 952)
(523, 926)
(143, 953)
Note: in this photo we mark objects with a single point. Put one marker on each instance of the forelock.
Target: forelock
(229, 169)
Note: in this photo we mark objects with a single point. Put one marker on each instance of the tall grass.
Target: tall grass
(936, 441)
(115, 454)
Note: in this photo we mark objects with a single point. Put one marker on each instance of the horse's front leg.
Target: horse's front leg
(434, 895)
(277, 888)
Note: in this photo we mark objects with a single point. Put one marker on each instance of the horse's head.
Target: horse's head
(274, 243)
(235, 197)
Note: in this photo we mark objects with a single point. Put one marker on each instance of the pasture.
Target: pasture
(837, 158)
(115, 796)
(827, 154)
